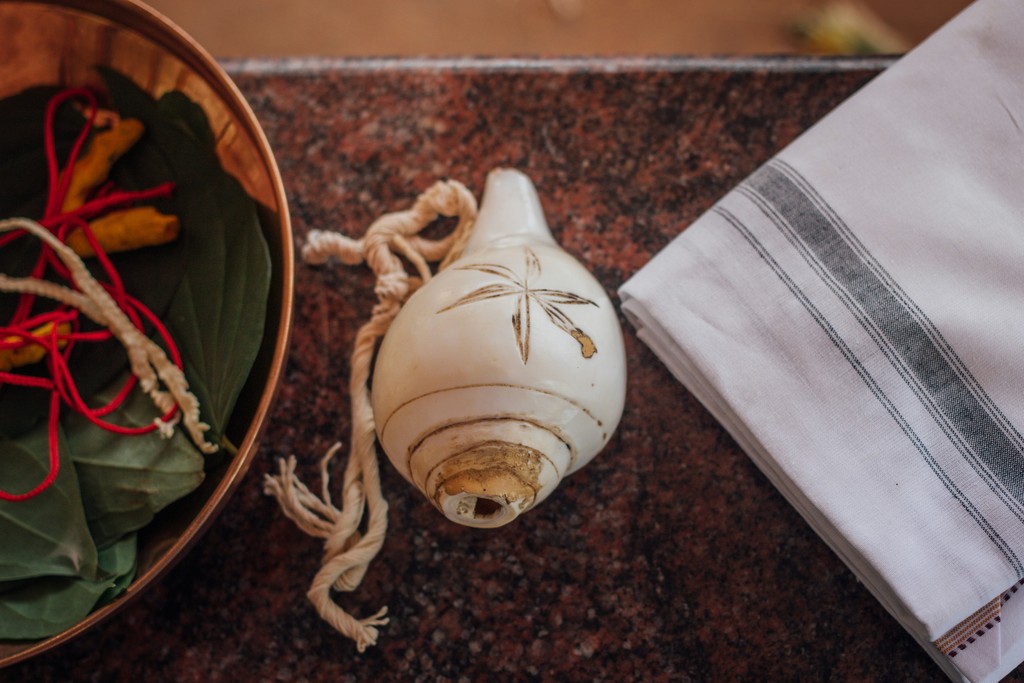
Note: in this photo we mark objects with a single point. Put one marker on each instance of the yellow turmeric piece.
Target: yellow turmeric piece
(30, 353)
(124, 230)
(93, 167)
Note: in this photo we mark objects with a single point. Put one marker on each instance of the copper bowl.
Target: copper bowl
(58, 43)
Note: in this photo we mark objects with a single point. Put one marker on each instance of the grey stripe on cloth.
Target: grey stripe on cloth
(959, 401)
(964, 413)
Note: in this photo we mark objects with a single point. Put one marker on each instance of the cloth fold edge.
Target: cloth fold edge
(657, 339)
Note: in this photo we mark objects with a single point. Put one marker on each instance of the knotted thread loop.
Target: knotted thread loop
(347, 552)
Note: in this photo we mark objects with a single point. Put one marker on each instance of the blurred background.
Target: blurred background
(269, 28)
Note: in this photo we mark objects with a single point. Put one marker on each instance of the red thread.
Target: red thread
(57, 345)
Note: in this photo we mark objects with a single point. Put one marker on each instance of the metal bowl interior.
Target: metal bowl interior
(50, 42)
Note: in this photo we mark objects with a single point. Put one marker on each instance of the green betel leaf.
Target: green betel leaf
(218, 312)
(120, 560)
(49, 604)
(46, 534)
(126, 480)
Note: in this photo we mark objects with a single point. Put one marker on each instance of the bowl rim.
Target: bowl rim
(158, 29)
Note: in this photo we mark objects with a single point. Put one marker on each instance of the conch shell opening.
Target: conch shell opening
(489, 485)
(486, 473)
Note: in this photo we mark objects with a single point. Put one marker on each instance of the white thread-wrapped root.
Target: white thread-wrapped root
(147, 360)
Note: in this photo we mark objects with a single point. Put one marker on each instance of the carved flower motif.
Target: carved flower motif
(549, 300)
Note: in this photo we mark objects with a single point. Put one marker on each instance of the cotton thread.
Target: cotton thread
(147, 360)
(347, 552)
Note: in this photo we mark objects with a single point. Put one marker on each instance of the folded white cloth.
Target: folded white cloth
(852, 314)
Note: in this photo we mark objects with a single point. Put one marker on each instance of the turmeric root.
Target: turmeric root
(93, 167)
(29, 352)
(125, 230)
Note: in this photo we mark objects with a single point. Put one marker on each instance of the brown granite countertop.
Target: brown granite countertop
(670, 557)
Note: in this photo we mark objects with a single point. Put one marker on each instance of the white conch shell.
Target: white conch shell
(505, 372)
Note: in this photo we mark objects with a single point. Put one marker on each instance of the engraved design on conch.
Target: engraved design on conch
(549, 301)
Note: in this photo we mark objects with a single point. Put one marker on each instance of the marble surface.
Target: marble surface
(669, 558)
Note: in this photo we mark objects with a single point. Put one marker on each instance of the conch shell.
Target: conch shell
(505, 372)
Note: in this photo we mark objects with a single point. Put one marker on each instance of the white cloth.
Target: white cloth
(853, 313)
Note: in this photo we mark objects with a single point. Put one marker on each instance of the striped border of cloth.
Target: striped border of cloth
(967, 632)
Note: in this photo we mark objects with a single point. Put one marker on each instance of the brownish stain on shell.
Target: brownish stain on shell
(587, 347)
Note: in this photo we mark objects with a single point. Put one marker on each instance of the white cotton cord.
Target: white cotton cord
(321, 245)
(311, 514)
(147, 360)
(347, 552)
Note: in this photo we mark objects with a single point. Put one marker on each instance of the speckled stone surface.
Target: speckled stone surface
(669, 558)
